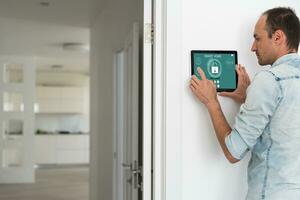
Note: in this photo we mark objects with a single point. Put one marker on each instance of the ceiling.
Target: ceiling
(29, 29)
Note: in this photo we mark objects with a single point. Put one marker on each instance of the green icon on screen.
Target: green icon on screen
(214, 68)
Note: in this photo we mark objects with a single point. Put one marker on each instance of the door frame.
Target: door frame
(167, 92)
(147, 101)
(159, 98)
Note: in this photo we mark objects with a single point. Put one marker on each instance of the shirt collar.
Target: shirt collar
(285, 58)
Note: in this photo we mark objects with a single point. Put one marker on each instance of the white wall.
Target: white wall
(108, 32)
(204, 172)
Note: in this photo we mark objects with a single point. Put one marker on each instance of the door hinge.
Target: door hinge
(149, 33)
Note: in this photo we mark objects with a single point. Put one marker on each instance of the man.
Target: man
(268, 123)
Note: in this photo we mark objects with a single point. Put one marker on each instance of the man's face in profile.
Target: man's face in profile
(263, 45)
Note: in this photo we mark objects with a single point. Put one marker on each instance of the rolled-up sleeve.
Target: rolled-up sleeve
(236, 145)
(263, 96)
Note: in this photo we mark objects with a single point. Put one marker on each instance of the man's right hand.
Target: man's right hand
(239, 95)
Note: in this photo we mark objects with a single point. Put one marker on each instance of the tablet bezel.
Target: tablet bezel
(217, 52)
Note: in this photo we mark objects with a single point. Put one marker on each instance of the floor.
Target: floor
(51, 184)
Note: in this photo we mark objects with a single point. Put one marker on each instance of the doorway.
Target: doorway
(56, 147)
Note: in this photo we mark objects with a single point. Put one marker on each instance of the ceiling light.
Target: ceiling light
(45, 3)
(76, 46)
(57, 66)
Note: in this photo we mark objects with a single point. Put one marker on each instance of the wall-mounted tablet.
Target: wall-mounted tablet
(218, 66)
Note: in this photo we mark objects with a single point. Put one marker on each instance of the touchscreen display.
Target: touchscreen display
(218, 66)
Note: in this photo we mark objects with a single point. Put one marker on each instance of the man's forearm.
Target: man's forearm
(221, 126)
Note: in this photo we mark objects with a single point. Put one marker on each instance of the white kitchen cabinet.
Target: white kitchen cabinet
(60, 99)
(71, 93)
(48, 92)
(61, 149)
(71, 149)
(45, 149)
(48, 106)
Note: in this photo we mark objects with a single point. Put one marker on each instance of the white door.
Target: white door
(133, 177)
(126, 160)
(131, 146)
(17, 93)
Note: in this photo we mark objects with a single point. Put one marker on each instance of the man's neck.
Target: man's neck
(285, 52)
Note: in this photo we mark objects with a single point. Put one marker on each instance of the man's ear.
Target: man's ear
(279, 37)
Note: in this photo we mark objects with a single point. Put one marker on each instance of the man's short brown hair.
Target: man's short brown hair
(285, 19)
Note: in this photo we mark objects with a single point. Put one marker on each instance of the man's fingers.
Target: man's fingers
(238, 68)
(212, 83)
(192, 88)
(239, 71)
(195, 79)
(246, 75)
(194, 83)
(243, 75)
(241, 78)
(201, 72)
(200, 96)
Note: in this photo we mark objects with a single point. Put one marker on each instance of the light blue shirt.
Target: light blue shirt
(268, 125)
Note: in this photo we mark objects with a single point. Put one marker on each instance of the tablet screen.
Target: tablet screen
(218, 66)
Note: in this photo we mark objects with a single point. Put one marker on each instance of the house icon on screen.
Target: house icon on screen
(214, 69)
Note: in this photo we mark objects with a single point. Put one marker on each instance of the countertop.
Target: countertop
(61, 133)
